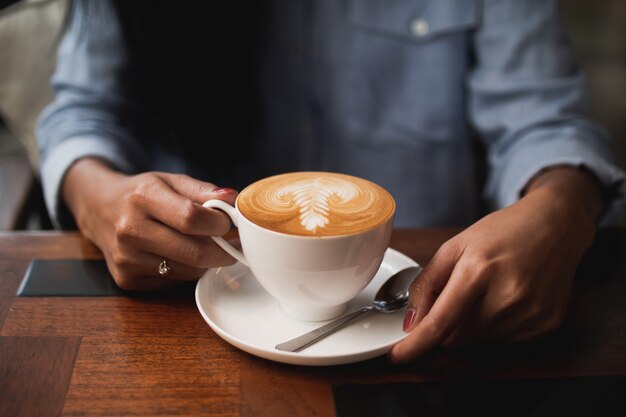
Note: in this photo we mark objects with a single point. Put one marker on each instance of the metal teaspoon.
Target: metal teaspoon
(392, 296)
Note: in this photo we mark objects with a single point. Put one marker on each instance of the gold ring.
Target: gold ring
(164, 269)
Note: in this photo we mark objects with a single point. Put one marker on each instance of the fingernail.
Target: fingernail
(409, 318)
(224, 191)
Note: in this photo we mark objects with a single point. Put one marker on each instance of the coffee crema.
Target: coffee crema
(315, 204)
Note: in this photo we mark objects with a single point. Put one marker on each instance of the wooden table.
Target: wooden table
(156, 355)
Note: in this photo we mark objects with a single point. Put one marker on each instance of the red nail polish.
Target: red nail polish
(224, 191)
(409, 318)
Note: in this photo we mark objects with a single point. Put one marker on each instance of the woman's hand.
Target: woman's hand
(507, 278)
(138, 221)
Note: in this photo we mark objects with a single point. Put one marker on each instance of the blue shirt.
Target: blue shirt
(393, 92)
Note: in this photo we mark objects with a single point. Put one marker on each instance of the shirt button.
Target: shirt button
(419, 26)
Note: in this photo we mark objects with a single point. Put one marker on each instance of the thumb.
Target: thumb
(227, 195)
(199, 191)
(428, 285)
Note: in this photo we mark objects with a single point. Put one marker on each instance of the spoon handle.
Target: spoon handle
(307, 339)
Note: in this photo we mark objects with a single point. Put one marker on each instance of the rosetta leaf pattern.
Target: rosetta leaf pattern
(312, 197)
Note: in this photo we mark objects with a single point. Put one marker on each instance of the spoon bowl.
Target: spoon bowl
(392, 296)
(394, 293)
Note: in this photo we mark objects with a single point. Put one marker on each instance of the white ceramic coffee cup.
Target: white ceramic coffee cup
(312, 277)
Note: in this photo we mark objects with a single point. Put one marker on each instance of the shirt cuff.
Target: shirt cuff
(60, 159)
(527, 160)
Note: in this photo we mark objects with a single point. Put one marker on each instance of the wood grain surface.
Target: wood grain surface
(35, 374)
(155, 355)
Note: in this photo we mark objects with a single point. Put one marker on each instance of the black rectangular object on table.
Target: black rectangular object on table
(67, 278)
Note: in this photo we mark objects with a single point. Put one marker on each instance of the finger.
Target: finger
(163, 203)
(524, 336)
(496, 309)
(132, 262)
(151, 262)
(523, 322)
(140, 272)
(192, 251)
(429, 284)
(180, 271)
(196, 190)
(201, 255)
(455, 302)
(473, 329)
(145, 283)
(510, 311)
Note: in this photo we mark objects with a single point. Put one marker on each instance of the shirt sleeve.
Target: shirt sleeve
(83, 120)
(527, 100)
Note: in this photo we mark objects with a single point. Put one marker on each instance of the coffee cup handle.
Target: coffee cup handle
(232, 213)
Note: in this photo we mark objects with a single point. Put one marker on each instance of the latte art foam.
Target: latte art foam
(315, 204)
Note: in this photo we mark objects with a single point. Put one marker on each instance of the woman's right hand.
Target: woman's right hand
(138, 221)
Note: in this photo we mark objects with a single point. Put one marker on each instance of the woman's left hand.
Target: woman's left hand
(508, 277)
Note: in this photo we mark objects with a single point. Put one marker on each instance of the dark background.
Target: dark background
(29, 29)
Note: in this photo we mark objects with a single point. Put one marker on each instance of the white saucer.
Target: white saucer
(240, 311)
